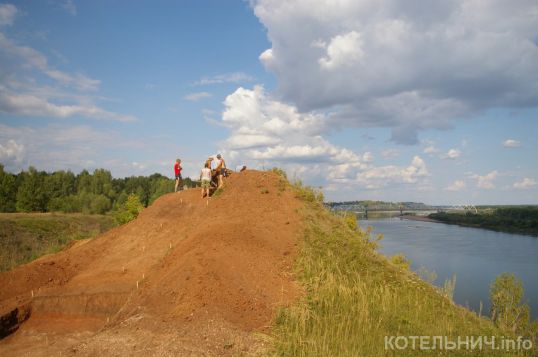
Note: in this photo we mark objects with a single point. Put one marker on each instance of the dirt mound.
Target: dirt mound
(189, 276)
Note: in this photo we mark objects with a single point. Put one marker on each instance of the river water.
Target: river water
(476, 256)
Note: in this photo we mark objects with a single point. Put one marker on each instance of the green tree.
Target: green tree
(101, 183)
(100, 204)
(507, 310)
(31, 194)
(160, 186)
(59, 185)
(129, 210)
(122, 198)
(8, 191)
(92, 203)
(69, 204)
(84, 182)
(139, 186)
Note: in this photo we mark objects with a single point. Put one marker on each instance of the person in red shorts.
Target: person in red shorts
(177, 171)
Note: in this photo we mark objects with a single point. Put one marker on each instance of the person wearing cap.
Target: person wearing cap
(221, 170)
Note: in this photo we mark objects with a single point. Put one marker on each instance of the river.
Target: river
(476, 256)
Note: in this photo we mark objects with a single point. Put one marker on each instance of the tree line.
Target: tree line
(64, 191)
(523, 219)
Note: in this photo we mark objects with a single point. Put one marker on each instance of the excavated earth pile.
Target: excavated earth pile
(189, 276)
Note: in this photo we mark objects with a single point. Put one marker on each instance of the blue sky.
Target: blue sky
(368, 99)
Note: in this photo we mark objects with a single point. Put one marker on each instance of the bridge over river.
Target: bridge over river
(395, 210)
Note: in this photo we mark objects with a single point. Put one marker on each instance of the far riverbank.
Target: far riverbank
(516, 220)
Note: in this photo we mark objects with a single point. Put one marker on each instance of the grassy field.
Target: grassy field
(27, 236)
(356, 300)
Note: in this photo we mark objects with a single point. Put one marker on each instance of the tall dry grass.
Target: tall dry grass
(355, 297)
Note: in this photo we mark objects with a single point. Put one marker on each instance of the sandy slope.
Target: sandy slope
(210, 274)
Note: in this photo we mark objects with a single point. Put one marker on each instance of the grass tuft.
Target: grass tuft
(217, 192)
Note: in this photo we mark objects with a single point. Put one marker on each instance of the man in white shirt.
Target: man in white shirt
(205, 177)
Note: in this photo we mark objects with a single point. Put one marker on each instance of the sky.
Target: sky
(391, 100)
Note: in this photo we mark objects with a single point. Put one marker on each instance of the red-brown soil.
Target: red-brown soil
(189, 276)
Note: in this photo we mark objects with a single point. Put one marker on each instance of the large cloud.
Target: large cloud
(266, 132)
(407, 65)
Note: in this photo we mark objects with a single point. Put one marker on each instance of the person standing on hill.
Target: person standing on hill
(221, 170)
(209, 162)
(177, 172)
(205, 177)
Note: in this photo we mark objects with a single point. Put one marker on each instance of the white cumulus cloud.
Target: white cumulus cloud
(526, 183)
(431, 150)
(403, 65)
(457, 185)
(11, 152)
(343, 50)
(486, 181)
(264, 129)
(376, 177)
(452, 154)
(266, 132)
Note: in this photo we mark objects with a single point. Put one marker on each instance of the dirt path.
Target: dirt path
(188, 277)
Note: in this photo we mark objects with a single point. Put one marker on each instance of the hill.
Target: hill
(209, 273)
(261, 268)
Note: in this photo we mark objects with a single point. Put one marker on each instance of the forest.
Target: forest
(85, 192)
